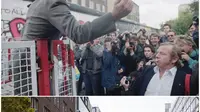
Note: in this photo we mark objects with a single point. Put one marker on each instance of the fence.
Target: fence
(51, 73)
(18, 72)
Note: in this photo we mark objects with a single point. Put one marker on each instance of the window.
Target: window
(91, 4)
(79, 2)
(87, 3)
(103, 8)
(35, 105)
(83, 3)
(98, 7)
(64, 107)
(74, 1)
(54, 100)
(46, 109)
(86, 101)
(58, 102)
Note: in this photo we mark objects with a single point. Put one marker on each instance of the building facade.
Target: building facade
(96, 109)
(186, 104)
(83, 104)
(53, 104)
(167, 107)
(99, 5)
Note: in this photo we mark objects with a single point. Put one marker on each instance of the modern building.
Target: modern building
(83, 104)
(185, 104)
(53, 104)
(167, 107)
(99, 5)
(134, 16)
(96, 109)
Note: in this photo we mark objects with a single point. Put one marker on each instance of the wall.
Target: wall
(13, 18)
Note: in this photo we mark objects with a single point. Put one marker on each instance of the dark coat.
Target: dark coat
(110, 67)
(140, 86)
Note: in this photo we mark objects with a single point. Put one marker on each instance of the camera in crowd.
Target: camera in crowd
(128, 79)
(131, 44)
(131, 47)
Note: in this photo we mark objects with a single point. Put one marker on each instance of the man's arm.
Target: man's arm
(65, 22)
(60, 17)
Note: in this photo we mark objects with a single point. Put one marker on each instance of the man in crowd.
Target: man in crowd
(77, 54)
(171, 36)
(163, 79)
(91, 67)
(142, 40)
(166, 28)
(155, 40)
(51, 19)
(129, 58)
(195, 34)
(111, 69)
(192, 29)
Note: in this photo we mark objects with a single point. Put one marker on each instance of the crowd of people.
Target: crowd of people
(128, 63)
(140, 64)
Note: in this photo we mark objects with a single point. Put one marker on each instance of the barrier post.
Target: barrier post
(43, 75)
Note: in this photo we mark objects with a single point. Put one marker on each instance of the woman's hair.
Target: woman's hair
(149, 46)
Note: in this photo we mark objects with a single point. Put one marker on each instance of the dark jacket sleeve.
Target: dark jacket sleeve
(134, 88)
(60, 17)
(107, 59)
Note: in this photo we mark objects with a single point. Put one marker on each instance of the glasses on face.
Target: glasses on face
(170, 35)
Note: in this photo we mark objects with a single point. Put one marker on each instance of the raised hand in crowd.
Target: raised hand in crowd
(185, 56)
(125, 83)
(122, 8)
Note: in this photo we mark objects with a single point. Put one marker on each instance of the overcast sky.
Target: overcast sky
(131, 103)
(154, 12)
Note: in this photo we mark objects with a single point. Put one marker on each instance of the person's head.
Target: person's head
(148, 51)
(107, 42)
(143, 39)
(154, 39)
(168, 55)
(185, 43)
(171, 36)
(166, 28)
(196, 21)
(192, 29)
(141, 32)
(113, 35)
(134, 39)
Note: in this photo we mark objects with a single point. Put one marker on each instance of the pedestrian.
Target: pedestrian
(111, 68)
(91, 68)
(166, 29)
